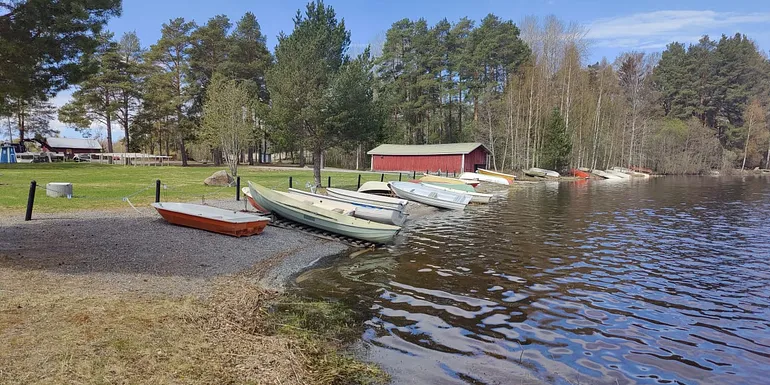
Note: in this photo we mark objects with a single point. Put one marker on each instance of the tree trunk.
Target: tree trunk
(20, 118)
(317, 153)
(108, 121)
(358, 157)
(302, 157)
(746, 146)
(251, 155)
(767, 160)
(125, 122)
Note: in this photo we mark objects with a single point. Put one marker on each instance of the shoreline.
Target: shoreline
(123, 296)
(137, 249)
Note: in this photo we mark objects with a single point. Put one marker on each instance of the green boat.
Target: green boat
(324, 219)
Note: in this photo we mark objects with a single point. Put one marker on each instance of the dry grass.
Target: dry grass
(68, 329)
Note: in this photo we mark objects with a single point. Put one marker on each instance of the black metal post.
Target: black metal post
(382, 178)
(157, 190)
(290, 182)
(238, 188)
(329, 182)
(359, 182)
(30, 200)
(399, 177)
(414, 174)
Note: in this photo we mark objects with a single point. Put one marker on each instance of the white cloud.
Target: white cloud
(653, 30)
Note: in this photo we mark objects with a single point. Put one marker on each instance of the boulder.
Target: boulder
(219, 178)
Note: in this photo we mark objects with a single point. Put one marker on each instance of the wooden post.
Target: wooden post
(238, 188)
(157, 191)
(30, 200)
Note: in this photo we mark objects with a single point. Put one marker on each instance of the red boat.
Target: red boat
(212, 219)
(580, 174)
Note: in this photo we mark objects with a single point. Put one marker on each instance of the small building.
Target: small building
(7, 154)
(452, 157)
(71, 146)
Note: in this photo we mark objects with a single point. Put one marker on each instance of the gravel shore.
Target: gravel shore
(136, 250)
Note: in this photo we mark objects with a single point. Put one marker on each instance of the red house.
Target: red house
(452, 157)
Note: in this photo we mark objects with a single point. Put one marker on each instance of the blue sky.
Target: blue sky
(613, 26)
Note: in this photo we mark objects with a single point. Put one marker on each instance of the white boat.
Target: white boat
(371, 199)
(212, 219)
(373, 187)
(619, 174)
(430, 196)
(371, 212)
(605, 175)
(484, 178)
(289, 207)
(476, 197)
(631, 172)
(548, 173)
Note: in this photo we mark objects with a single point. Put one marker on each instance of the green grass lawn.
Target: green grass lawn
(99, 187)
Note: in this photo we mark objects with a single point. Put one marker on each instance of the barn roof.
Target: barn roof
(426, 149)
(81, 144)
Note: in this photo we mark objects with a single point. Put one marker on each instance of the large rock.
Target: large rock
(219, 178)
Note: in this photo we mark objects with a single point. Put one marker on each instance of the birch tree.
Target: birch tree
(228, 118)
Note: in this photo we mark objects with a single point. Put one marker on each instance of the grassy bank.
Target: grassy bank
(99, 187)
(67, 329)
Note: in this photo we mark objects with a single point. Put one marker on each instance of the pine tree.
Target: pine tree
(96, 98)
(171, 62)
(557, 145)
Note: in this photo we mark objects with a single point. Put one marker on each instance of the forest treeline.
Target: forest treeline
(215, 91)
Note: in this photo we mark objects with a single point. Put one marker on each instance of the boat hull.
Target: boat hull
(580, 173)
(241, 229)
(604, 175)
(370, 199)
(508, 177)
(618, 174)
(323, 219)
(377, 188)
(476, 197)
(363, 211)
(472, 176)
(429, 196)
(535, 174)
(548, 173)
(442, 179)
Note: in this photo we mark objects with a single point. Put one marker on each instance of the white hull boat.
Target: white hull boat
(619, 174)
(375, 213)
(308, 214)
(476, 197)
(379, 188)
(430, 196)
(370, 199)
(605, 175)
(484, 178)
(548, 173)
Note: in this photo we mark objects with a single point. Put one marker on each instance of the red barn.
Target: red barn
(452, 157)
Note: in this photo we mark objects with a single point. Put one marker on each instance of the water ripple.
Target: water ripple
(655, 282)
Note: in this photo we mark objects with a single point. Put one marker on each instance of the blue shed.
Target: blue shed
(7, 154)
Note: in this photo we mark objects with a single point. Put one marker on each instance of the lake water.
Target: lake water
(659, 281)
